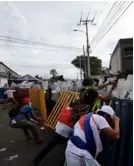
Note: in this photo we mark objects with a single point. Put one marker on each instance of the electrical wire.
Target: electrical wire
(103, 8)
(114, 23)
(22, 41)
(117, 12)
(101, 11)
(115, 4)
(7, 45)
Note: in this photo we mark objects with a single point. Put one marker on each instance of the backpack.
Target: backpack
(14, 112)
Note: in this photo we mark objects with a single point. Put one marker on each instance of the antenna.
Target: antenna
(80, 19)
(88, 15)
(92, 21)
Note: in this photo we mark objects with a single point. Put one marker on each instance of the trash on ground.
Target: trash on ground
(13, 157)
(42, 128)
(3, 149)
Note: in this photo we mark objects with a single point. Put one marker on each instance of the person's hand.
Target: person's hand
(34, 121)
(112, 82)
(113, 86)
(116, 119)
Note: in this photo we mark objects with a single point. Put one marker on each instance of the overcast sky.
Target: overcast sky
(53, 23)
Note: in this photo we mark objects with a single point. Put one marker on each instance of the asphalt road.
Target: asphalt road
(14, 142)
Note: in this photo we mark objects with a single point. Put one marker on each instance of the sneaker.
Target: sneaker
(40, 141)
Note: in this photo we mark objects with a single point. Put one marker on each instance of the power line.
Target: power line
(103, 8)
(110, 21)
(7, 45)
(114, 23)
(22, 41)
(105, 19)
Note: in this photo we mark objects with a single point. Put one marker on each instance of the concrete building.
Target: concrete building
(122, 57)
(6, 73)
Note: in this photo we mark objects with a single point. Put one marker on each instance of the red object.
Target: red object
(65, 117)
(81, 122)
(25, 100)
(38, 119)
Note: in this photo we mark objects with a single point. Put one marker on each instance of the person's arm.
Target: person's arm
(105, 85)
(113, 133)
(102, 86)
(34, 121)
(31, 112)
(107, 96)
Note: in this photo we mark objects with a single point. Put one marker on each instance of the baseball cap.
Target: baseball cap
(25, 100)
(107, 109)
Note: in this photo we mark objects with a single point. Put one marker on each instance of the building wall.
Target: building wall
(5, 70)
(122, 57)
(3, 80)
(116, 61)
(127, 59)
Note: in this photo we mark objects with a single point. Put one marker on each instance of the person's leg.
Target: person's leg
(14, 101)
(7, 100)
(34, 130)
(27, 134)
(74, 160)
(55, 141)
(91, 162)
(25, 124)
(21, 125)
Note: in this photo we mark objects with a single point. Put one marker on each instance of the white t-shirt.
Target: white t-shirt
(97, 123)
(63, 129)
(9, 93)
(64, 126)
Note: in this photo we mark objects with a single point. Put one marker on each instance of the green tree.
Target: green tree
(95, 64)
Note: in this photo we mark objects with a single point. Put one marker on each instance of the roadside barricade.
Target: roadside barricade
(2, 96)
(37, 97)
(66, 97)
(120, 153)
(64, 100)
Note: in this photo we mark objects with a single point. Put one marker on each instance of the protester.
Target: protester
(88, 83)
(28, 111)
(66, 121)
(85, 144)
(23, 118)
(10, 97)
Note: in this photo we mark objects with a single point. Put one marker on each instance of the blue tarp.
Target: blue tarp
(2, 96)
(120, 153)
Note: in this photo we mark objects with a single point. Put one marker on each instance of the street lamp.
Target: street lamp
(88, 47)
(79, 31)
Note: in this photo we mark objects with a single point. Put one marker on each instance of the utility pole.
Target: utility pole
(85, 22)
(85, 62)
(80, 67)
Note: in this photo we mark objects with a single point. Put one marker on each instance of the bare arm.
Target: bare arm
(107, 96)
(34, 121)
(102, 86)
(105, 85)
(113, 133)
